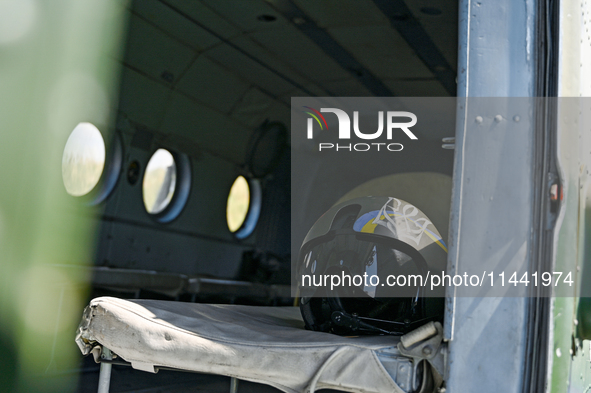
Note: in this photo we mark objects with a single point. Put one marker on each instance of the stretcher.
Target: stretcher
(267, 345)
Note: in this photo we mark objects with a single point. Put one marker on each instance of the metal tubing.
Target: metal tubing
(233, 385)
(105, 373)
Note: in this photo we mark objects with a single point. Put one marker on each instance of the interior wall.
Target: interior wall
(199, 77)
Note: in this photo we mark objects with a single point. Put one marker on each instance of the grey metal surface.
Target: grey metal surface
(330, 46)
(233, 385)
(417, 38)
(173, 284)
(401, 369)
(496, 49)
(105, 373)
(491, 205)
(426, 344)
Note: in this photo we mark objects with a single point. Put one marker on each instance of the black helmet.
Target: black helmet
(363, 269)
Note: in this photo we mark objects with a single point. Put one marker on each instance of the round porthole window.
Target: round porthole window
(90, 168)
(166, 184)
(243, 206)
(159, 181)
(83, 160)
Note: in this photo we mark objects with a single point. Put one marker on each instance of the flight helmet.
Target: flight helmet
(364, 268)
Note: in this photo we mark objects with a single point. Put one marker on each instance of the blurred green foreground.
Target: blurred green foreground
(57, 69)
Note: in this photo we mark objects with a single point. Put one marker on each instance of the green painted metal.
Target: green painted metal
(571, 316)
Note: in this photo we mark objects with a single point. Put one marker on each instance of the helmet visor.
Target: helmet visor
(352, 264)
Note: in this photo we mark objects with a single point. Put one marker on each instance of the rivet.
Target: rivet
(498, 118)
(479, 119)
(516, 119)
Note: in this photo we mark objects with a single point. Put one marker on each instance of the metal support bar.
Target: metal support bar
(402, 19)
(105, 373)
(330, 46)
(233, 385)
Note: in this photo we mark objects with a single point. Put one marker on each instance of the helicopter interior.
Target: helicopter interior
(203, 119)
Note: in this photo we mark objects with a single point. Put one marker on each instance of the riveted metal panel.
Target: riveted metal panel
(492, 199)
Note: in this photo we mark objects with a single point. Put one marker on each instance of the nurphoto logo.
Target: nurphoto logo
(394, 122)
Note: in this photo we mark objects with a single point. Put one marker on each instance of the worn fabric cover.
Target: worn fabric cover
(262, 344)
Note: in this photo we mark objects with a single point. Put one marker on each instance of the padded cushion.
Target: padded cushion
(262, 344)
